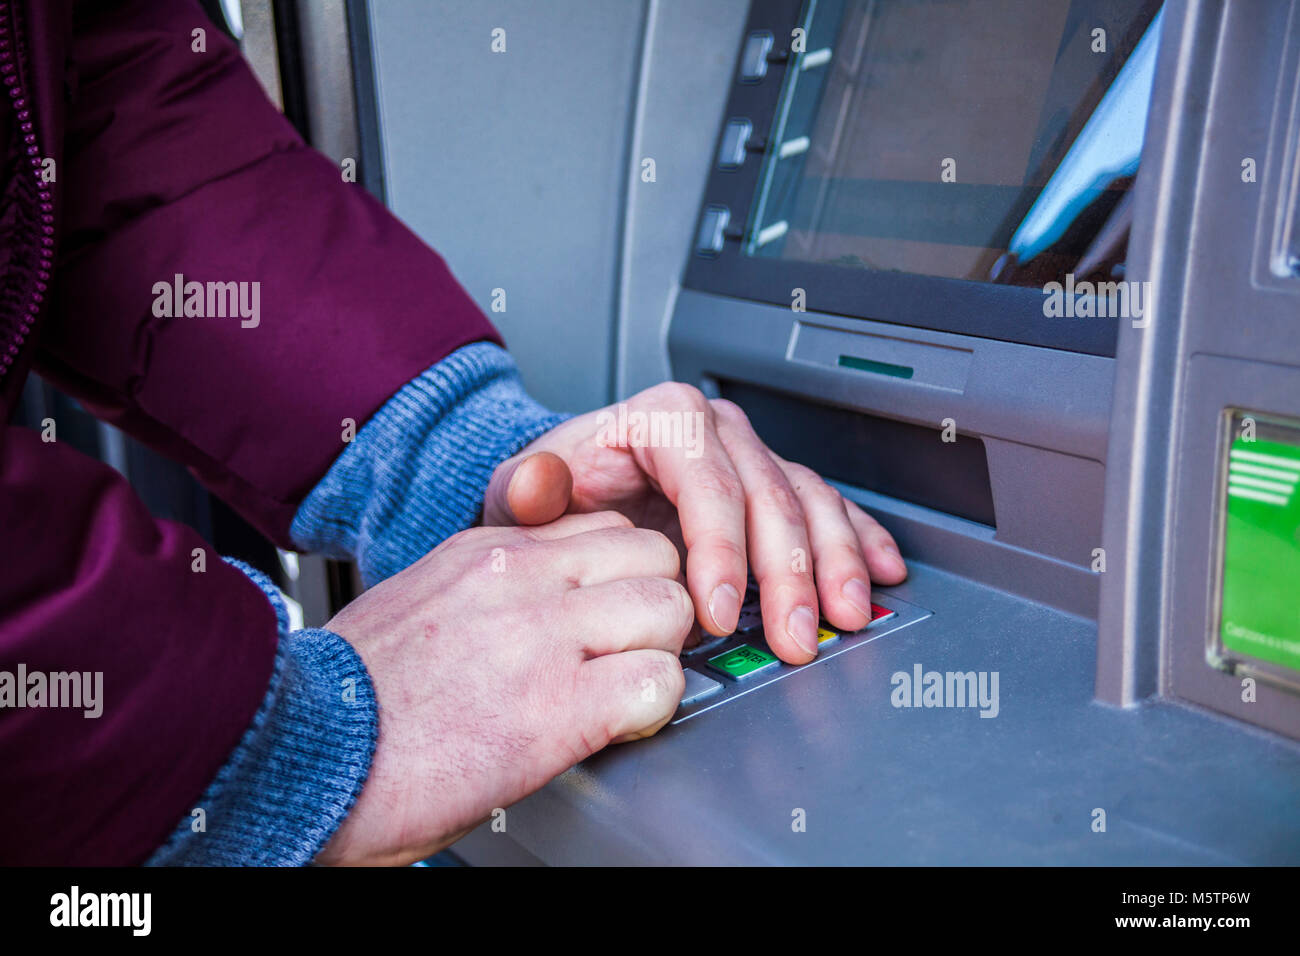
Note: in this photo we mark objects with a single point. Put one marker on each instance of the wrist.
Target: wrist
(417, 472)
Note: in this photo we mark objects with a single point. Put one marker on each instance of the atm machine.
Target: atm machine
(1023, 279)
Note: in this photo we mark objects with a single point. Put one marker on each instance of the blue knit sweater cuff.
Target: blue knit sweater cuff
(299, 767)
(416, 473)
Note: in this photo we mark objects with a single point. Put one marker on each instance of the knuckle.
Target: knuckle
(459, 539)
(684, 610)
(807, 483)
(677, 395)
(876, 532)
(661, 547)
(573, 606)
(517, 546)
(780, 499)
(826, 497)
(732, 552)
(664, 669)
(786, 591)
(728, 411)
(664, 603)
(716, 481)
(880, 538)
(522, 537)
(856, 514)
(805, 479)
(643, 593)
(841, 559)
(617, 518)
(465, 548)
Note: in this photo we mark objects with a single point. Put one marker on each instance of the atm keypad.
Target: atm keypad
(698, 686)
(751, 619)
(708, 643)
(743, 661)
(880, 613)
(719, 669)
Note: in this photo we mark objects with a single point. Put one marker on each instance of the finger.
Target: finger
(610, 554)
(570, 525)
(630, 695)
(631, 614)
(779, 549)
(878, 545)
(703, 486)
(530, 490)
(840, 571)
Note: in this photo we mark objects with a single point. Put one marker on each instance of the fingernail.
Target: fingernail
(858, 594)
(802, 626)
(724, 608)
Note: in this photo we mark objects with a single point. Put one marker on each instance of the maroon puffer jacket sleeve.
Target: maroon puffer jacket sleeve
(175, 163)
(172, 653)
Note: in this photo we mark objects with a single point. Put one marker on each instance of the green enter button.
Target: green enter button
(742, 661)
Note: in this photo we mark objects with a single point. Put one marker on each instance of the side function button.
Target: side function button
(712, 230)
(753, 62)
(735, 143)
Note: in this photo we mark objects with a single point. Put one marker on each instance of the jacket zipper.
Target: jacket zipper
(10, 74)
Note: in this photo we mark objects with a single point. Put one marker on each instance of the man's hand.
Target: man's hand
(726, 499)
(501, 658)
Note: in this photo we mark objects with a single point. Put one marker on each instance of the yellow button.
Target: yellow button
(826, 635)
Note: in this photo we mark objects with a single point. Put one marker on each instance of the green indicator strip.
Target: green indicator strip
(880, 368)
(1261, 554)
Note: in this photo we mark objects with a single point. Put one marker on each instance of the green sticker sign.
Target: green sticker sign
(1261, 559)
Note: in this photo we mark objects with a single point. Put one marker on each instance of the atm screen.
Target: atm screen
(991, 140)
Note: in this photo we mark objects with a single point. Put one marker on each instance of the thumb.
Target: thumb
(531, 490)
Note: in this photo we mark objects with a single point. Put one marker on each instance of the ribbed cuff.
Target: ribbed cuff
(416, 473)
(299, 767)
